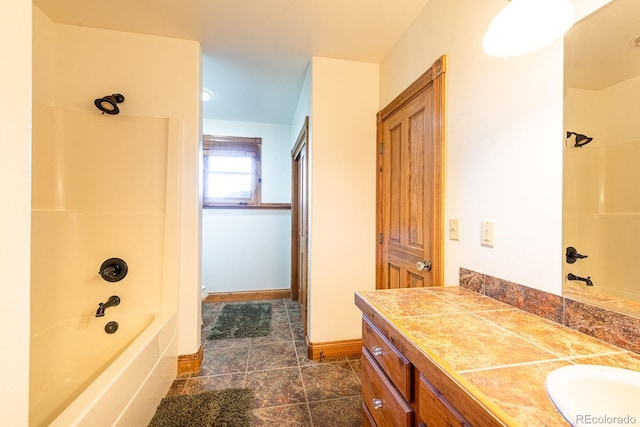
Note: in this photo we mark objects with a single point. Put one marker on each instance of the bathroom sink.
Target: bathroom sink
(595, 395)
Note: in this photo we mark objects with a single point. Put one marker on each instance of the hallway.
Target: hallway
(289, 389)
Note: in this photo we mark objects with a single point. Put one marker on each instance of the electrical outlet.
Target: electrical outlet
(454, 229)
(486, 234)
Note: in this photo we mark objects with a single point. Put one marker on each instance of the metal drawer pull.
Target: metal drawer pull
(377, 351)
(377, 403)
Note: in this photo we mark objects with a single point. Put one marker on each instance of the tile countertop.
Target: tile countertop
(501, 355)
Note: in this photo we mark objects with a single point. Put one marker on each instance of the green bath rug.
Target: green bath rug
(249, 319)
(221, 408)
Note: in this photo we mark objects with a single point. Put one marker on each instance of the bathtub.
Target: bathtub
(82, 376)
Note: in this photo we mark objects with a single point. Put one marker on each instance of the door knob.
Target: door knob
(423, 265)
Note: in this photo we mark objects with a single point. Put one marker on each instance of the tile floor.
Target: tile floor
(289, 389)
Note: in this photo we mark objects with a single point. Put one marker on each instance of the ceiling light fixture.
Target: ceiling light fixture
(524, 26)
(206, 94)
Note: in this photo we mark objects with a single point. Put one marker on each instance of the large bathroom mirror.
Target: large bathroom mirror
(601, 208)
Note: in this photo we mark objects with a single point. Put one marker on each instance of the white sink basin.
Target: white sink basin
(594, 395)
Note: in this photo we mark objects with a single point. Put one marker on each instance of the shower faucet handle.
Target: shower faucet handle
(572, 255)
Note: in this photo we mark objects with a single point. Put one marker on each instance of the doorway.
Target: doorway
(300, 221)
(409, 216)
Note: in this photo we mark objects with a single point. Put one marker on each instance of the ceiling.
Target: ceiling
(599, 52)
(255, 52)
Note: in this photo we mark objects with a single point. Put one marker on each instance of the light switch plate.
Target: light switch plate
(486, 234)
(454, 229)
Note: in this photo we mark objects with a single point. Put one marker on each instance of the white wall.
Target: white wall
(245, 249)
(15, 196)
(159, 77)
(303, 109)
(342, 194)
(504, 140)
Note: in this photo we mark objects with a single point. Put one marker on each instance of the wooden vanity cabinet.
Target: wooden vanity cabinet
(381, 398)
(392, 362)
(434, 409)
(394, 393)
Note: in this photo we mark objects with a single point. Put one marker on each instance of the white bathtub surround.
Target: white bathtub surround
(127, 392)
(103, 187)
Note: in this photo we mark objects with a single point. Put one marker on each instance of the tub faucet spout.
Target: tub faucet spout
(111, 302)
(586, 280)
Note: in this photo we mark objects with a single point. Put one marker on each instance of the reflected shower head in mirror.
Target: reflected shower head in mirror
(109, 104)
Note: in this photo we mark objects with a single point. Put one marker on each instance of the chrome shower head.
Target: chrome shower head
(109, 103)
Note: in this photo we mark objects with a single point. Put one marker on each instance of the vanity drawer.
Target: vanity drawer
(386, 406)
(434, 410)
(394, 364)
(367, 419)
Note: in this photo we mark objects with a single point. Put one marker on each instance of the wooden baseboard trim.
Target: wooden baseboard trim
(248, 295)
(331, 349)
(190, 363)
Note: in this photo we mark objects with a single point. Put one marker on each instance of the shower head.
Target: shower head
(109, 103)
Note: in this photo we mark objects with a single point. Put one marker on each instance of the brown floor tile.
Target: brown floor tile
(356, 365)
(284, 381)
(280, 332)
(276, 387)
(272, 356)
(232, 342)
(329, 381)
(218, 382)
(279, 316)
(337, 413)
(176, 388)
(301, 349)
(292, 415)
(227, 360)
(294, 316)
(297, 331)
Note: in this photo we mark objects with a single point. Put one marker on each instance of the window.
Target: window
(231, 170)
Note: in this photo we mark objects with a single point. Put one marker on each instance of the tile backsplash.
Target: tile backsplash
(611, 326)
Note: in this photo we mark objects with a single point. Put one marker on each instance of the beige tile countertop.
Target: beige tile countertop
(499, 354)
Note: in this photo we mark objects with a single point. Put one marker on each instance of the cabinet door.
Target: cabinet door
(385, 404)
(434, 410)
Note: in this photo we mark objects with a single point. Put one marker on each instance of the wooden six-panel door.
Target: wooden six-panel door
(409, 187)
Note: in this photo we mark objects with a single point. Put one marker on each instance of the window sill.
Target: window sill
(273, 206)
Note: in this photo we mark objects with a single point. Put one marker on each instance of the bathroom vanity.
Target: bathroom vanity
(448, 356)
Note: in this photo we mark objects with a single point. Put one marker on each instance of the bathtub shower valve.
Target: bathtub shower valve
(113, 270)
(111, 302)
(572, 255)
